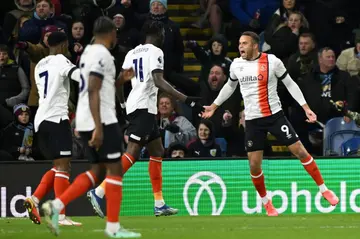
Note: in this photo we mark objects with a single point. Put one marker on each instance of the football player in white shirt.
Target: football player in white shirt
(52, 77)
(141, 107)
(258, 74)
(99, 130)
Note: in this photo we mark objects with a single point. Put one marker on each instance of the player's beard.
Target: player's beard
(249, 54)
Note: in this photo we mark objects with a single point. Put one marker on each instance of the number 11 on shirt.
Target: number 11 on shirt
(138, 65)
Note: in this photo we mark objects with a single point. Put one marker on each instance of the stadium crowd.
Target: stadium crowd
(318, 41)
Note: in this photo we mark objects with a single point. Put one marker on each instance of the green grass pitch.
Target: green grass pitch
(324, 226)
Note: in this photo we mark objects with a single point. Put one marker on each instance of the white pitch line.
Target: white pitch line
(13, 218)
(254, 228)
(102, 230)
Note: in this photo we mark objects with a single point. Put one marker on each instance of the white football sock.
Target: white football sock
(265, 200)
(159, 203)
(323, 188)
(112, 227)
(58, 204)
(100, 192)
(35, 200)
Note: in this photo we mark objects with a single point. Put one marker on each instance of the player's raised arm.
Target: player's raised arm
(224, 94)
(163, 85)
(157, 67)
(166, 87)
(294, 90)
(155, 34)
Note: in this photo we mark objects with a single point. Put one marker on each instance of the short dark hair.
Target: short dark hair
(218, 65)
(48, 1)
(255, 37)
(56, 38)
(4, 48)
(321, 50)
(153, 28)
(103, 25)
(77, 20)
(309, 35)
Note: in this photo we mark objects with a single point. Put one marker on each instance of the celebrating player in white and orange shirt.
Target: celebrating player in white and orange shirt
(258, 75)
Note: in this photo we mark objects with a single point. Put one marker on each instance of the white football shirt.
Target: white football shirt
(258, 81)
(52, 81)
(144, 59)
(97, 60)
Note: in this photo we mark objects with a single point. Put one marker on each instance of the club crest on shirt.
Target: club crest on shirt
(100, 63)
(260, 77)
(213, 152)
(262, 68)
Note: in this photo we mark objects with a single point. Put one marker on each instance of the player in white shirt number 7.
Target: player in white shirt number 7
(52, 76)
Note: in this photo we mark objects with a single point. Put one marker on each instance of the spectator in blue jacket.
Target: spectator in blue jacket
(43, 16)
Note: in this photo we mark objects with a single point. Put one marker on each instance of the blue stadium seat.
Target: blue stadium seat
(336, 132)
(350, 147)
(223, 145)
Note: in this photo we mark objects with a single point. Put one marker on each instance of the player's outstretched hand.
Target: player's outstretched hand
(96, 139)
(311, 116)
(209, 111)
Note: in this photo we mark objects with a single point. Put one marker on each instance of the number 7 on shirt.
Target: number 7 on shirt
(138, 65)
(46, 75)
